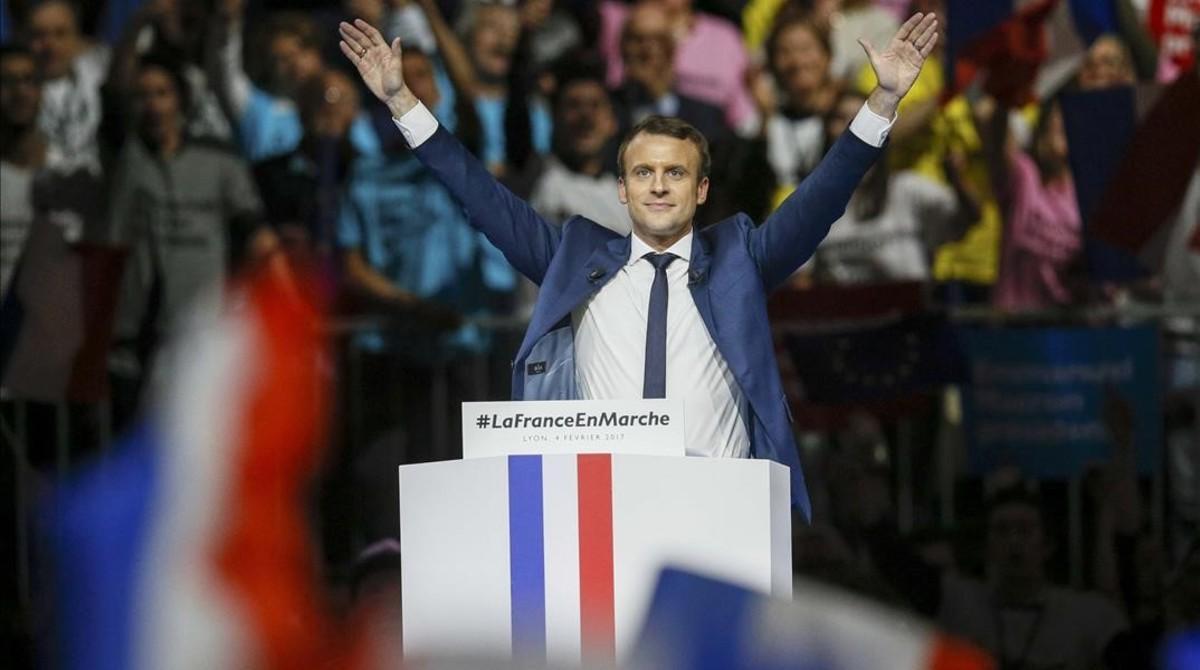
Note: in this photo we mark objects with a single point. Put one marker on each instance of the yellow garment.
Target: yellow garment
(758, 17)
(976, 256)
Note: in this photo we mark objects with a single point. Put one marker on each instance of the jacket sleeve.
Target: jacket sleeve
(526, 239)
(791, 234)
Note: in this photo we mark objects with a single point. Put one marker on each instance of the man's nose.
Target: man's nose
(658, 185)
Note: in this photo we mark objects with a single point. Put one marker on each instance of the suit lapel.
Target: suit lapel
(698, 268)
(601, 266)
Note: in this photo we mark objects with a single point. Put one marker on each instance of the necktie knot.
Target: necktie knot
(660, 261)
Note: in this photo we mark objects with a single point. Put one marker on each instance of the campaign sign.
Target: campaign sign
(636, 426)
(1037, 398)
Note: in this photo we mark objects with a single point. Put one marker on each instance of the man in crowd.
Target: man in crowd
(601, 327)
(72, 72)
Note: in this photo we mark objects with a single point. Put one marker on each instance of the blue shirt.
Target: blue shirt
(270, 126)
(410, 229)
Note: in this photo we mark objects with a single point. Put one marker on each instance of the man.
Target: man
(183, 207)
(1017, 614)
(578, 178)
(648, 52)
(72, 72)
(267, 122)
(601, 327)
(24, 151)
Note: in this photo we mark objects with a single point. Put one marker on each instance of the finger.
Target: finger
(925, 35)
(397, 49)
(350, 53)
(908, 26)
(923, 31)
(354, 36)
(928, 48)
(369, 30)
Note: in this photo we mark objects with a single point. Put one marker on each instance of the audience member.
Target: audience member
(24, 151)
(166, 26)
(301, 189)
(798, 58)
(579, 177)
(184, 208)
(648, 51)
(1106, 63)
(266, 120)
(479, 59)
(72, 71)
(710, 58)
(1016, 613)
(1043, 229)
(894, 222)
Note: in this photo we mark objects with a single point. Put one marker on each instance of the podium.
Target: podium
(554, 556)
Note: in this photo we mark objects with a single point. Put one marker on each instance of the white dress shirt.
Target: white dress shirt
(610, 329)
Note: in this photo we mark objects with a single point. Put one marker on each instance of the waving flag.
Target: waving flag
(697, 623)
(188, 547)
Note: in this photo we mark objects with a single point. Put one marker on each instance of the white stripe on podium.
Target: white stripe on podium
(560, 493)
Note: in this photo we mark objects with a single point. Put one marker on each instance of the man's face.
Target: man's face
(54, 39)
(20, 92)
(292, 63)
(335, 111)
(418, 76)
(584, 121)
(647, 48)
(1105, 65)
(661, 186)
(1016, 545)
(157, 103)
(799, 60)
(493, 40)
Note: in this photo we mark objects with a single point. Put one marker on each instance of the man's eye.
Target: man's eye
(642, 172)
(676, 172)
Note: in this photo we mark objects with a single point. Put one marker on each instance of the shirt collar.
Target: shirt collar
(682, 248)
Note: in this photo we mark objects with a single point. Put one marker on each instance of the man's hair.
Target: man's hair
(671, 127)
(10, 49)
(792, 20)
(169, 61)
(294, 24)
(573, 68)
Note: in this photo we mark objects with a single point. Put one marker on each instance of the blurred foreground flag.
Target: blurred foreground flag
(187, 548)
(697, 623)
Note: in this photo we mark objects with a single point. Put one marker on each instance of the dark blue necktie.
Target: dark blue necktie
(654, 385)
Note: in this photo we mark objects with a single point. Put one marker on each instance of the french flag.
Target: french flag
(187, 547)
(699, 623)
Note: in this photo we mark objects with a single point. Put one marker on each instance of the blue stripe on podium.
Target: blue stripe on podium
(526, 552)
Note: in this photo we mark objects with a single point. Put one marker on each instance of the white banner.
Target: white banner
(637, 426)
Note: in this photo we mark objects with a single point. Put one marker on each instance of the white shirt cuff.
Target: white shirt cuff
(869, 126)
(417, 125)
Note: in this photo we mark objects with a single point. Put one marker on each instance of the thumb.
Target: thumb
(396, 50)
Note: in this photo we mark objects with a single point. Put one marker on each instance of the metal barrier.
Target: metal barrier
(1181, 324)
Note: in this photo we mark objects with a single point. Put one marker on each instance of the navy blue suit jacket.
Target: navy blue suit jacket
(734, 265)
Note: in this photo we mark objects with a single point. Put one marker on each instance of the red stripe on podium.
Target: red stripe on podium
(596, 609)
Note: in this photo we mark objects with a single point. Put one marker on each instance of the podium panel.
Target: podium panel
(556, 556)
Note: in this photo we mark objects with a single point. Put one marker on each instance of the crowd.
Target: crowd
(188, 139)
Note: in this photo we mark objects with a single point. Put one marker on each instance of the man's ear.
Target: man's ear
(621, 194)
(702, 191)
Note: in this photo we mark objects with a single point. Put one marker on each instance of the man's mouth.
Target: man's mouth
(658, 206)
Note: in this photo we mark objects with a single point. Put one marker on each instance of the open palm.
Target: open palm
(378, 63)
(897, 66)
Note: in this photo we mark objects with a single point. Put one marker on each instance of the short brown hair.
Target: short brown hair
(294, 24)
(671, 127)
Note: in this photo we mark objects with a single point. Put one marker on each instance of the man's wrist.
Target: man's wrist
(883, 103)
(402, 103)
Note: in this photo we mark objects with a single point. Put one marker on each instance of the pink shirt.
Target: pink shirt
(710, 63)
(1041, 239)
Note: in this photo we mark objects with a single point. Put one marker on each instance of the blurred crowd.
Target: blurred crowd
(179, 141)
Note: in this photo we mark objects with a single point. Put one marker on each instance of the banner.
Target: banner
(1037, 398)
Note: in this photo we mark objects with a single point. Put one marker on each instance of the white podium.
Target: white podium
(555, 556)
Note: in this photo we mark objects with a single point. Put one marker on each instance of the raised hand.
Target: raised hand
(897, 66)
(377, 63)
